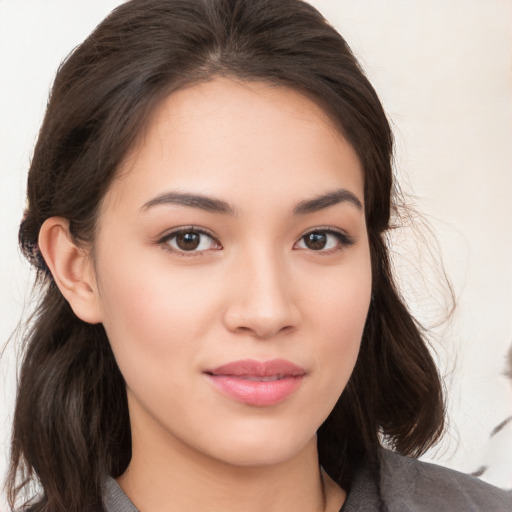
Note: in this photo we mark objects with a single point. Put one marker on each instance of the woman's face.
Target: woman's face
(233, 272)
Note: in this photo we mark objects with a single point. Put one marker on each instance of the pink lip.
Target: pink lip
(257, 383)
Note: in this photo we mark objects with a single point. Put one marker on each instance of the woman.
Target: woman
(207, 206)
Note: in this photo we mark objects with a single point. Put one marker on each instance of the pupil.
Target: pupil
(188, 241)
(316, 241)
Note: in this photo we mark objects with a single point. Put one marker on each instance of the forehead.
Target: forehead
(225, 137)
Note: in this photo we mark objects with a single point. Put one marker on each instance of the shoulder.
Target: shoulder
(409, 484)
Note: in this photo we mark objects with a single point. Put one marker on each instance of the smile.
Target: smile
(263, 379)
(257, 383)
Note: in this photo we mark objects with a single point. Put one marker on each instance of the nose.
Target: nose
(262, 303)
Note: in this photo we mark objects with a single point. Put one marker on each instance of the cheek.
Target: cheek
(340, 299)
(340, 309)
(147, 311)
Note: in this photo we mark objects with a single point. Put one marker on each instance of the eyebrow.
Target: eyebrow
(213, 205)
(326, 200)
(209, 204)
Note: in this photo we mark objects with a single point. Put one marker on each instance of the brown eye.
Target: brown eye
(190, 240)
(324, 240)
(315, 240)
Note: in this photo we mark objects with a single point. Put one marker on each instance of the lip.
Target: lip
(258, 383)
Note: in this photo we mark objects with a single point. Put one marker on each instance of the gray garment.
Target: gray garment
(114, 498)
(409, 485)
(406, 485)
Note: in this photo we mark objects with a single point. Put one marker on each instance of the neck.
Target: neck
(165, 476)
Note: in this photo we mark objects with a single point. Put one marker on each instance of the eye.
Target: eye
(189, 240)
(324, 240)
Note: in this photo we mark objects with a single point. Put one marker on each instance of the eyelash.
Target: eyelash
(164, 241)
(343, 238)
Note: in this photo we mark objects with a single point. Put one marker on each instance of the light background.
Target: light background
(443, 70)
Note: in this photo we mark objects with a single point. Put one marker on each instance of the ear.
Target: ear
(71, 269)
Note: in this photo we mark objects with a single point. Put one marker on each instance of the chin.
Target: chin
(264, 450)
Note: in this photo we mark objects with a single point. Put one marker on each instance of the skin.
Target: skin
(252, 290)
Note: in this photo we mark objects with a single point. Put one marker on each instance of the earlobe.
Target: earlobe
(70, 268)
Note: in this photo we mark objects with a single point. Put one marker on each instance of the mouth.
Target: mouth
(257, 383)
(254, 378)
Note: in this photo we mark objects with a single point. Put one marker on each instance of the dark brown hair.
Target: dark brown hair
(71, 425)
